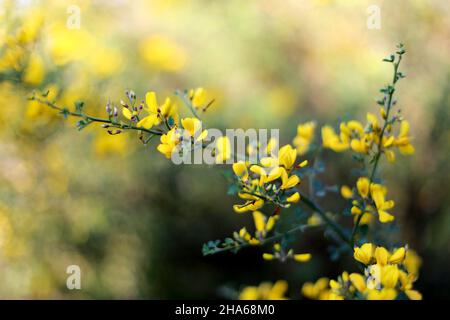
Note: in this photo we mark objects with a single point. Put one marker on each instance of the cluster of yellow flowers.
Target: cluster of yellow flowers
(363, 139)
(369, 199)
(265, 291)
(271, 180)
(150, 114)
(387, 276)
(16, 59)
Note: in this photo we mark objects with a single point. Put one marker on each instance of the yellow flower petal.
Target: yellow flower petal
(398, 256)
(303, 257)
(364, 254)
(294, 198)
(363, 186)
(346, 192)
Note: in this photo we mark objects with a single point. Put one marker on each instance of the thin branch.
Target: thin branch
(95, 119)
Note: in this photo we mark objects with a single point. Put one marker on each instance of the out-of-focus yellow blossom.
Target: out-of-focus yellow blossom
(162, 53)
(412, 262)
(68, 45)
(362, 139)
(198, 97)
(403, 140)
(280, 254)
(12, 58)
(6, 231)
(281, 100)
(105, 62)
(245, 236)
(105, 144)
(318, 290)
(332, 141)
(346, 192)
(384, 278)
(265, 291)
(35, 71)
(223, 149)
(314, 220)
(263, 225)
(304, 137)
(302, 257)
(362, 185)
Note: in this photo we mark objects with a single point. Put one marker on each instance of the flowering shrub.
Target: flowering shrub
(270, 185)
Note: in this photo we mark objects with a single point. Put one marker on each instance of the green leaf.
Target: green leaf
(79, 106)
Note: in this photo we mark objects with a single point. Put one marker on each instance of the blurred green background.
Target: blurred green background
(132, 220)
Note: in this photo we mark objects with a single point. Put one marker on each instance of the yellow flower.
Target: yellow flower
(223, 149)
(250, 205)
(383, 294)
(161, 52)
(198, 97)
(130, 115)
(193, 126)
(263, 225)
(274, 174)
(305, 135)
(286, 181)
(363, 186)
(355, 210)
(359, 145)
(265, 291)
(156, 113)
(373, 121)
(346, 192)
(358, 281)
(268, 256)
(317, 290)
(332, 141)
(412, 262)
(169, 141)
(35, 72)
(403, 140)
(378, 193)
(246, 236)
(389, 276)
(240, 169)
(287, 156)
(413, 294)
(381, 255)
(314, 220)
(398, 256)
(365, 253)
